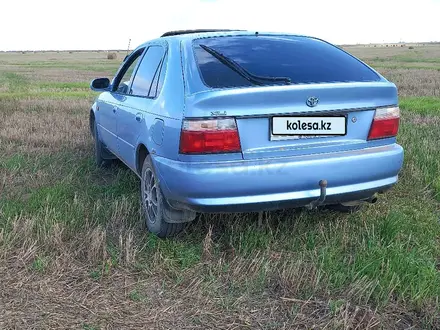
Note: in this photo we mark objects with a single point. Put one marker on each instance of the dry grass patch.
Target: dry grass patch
(421, 53)
(65, 74)
(427, 122)
(28, 105)
(65, 127)
(67, 295)
(35, 135)
(55, 57)
(413, 82)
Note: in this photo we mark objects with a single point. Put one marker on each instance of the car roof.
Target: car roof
(189, 35)
(181, 32)
(196, 34)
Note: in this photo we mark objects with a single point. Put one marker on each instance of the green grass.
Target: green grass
(69, 194)
(425, 156)
(14, 81)
(90, 327)
(13, 163)
(416, 59)
(40, 264)
(421, 105)
(421, 141)
(20, 87)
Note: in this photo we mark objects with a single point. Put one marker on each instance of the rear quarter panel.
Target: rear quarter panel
(163, 120)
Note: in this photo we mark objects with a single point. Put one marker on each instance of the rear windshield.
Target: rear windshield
(299, 60)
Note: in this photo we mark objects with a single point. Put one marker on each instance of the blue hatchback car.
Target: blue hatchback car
(238, 121)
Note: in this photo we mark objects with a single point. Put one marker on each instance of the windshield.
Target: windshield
(298, 60)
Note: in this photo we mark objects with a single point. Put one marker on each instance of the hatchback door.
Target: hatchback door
(289, 95)
(351, 106)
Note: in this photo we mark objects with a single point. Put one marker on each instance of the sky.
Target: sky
(97, 24)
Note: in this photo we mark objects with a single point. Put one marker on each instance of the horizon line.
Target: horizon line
(125, 50)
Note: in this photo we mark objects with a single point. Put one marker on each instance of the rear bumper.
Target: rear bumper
(255, 185)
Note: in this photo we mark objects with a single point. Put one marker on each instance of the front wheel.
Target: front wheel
(154, 205)
(102, 155)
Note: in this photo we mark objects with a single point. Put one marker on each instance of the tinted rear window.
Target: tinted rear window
(147, 71)
(303, 60)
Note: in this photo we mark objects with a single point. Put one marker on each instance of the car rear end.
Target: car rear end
(267, 117)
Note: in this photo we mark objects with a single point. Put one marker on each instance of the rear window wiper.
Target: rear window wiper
(254, 79)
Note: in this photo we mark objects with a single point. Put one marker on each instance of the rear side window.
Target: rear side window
(158, 79)
(288, 59)
(147, 75)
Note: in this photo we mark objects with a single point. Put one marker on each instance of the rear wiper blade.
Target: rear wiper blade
(256, 80)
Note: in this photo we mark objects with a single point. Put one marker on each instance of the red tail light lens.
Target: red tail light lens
(385, 123)
(209, 136)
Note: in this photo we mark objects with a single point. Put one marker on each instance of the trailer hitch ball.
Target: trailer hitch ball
(323, 185)
(322, 195)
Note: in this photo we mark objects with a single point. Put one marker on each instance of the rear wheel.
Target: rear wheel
(155, 208)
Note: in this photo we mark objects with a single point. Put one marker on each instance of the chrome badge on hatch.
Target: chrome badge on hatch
(312, 101)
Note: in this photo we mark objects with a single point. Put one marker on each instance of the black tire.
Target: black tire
(153, 199)
(344, 208)
(102, 155)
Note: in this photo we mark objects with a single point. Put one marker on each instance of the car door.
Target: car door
(134, 108)
(109, 104)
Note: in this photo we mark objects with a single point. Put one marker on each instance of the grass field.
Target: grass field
(74, 253)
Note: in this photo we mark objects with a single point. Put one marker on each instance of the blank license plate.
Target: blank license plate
(307, 125)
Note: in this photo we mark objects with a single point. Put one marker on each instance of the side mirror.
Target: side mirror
(100, 84)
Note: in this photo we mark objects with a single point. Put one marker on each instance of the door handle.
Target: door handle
(139, 116)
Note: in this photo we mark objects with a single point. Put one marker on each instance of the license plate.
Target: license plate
(309, 126)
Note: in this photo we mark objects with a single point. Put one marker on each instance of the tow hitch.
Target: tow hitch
(321, 199)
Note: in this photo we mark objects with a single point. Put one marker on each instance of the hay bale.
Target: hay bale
(112, 56)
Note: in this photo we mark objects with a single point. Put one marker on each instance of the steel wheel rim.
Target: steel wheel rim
(150, 196)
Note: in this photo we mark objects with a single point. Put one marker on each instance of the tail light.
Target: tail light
(209, 136)
(385, 123)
